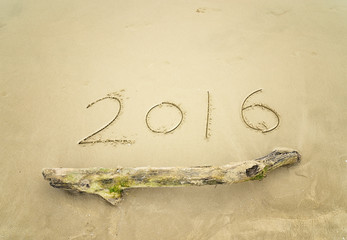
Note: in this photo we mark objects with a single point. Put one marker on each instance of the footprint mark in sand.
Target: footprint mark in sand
(203, 10)
(278, 12)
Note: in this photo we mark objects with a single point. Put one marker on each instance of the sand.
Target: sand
(56, 57)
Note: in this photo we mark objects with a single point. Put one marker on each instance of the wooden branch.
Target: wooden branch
(109, 183)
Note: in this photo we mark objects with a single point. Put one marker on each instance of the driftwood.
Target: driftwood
(110, 183)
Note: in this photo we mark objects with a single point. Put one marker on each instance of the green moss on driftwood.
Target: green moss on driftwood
(261, 175)
(111, 183)
(119, 184)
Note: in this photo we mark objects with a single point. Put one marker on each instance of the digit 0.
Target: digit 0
(165, 131)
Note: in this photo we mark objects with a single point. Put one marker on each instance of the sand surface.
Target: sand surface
(56, 57)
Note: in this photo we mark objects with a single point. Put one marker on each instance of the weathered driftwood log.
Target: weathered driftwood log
(110, 183)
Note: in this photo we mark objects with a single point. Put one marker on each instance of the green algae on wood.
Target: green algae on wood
(261, 175)
(110, 183)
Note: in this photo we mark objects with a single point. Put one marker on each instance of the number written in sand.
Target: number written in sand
(208, 117)
(260, 126)
(164, 130)
(87, 140)
(249, 113)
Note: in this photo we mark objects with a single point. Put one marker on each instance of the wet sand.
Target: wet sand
(56, 57)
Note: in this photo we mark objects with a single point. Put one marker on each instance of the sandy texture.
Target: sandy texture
(56, 57)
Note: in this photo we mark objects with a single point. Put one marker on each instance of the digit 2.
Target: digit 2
(123, 141)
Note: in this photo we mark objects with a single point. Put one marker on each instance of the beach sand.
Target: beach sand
(56, 57)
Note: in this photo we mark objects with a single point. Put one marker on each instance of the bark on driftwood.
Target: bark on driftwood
(109, 183)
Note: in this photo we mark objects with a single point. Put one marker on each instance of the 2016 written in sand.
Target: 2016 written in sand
(261, 126)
